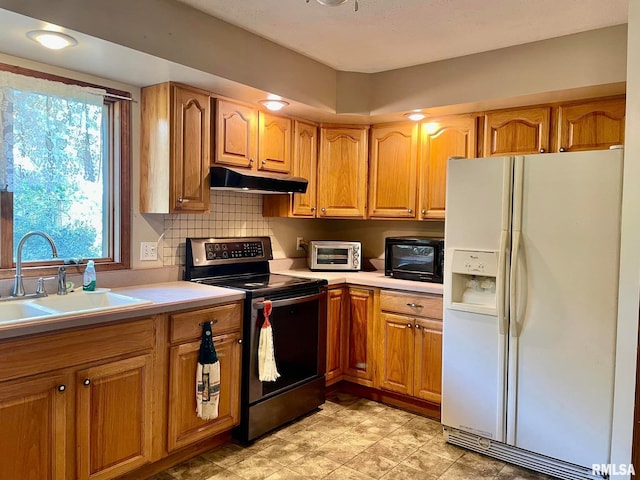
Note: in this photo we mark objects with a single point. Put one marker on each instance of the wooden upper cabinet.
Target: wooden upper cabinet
(305, 165)
(453, 136)
(393, 165)
(342, 172)
(236, 135)
(274, 143)
(591, 126)
(517, 132)
(175, 149)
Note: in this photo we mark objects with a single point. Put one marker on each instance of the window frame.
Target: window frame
(119, 184)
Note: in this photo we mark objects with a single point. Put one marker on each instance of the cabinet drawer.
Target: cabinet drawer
(60, 350)
(225, 318)
(411, 304)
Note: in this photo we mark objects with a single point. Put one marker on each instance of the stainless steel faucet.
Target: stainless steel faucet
(18, 286)
(62, 281)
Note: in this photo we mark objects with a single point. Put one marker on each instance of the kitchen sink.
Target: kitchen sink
(74, 303)
(10, 311)
(82, 302)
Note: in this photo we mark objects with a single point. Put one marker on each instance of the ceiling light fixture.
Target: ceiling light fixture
(416, 115)
(335, 3)
(273, 104)
(52, 40)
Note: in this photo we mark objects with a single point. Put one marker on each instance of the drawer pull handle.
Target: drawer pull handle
(86, 382)
(212, 322)
(414, 305)
(62, 388)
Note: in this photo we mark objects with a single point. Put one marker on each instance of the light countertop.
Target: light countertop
(368, 279)
(164, 297)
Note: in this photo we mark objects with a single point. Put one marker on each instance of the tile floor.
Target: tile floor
(349, 438)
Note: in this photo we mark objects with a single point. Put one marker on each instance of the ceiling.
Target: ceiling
(389, 34)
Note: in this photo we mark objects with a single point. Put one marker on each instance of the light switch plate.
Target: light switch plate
(148, 251)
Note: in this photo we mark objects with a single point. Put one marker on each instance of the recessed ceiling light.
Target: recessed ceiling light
(52, 40)
(415, 116)
(273, 104)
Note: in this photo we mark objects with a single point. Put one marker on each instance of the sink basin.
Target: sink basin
(82, 302)
(17, 310)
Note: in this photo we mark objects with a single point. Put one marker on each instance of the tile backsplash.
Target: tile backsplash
(232, 214)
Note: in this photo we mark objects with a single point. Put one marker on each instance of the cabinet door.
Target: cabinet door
(185, 427)
(305, 164)
(359, 337)
(36, 440)
(191, 154)
(393, 168)
(236, 135)
(274, 143)
(342, 172)
(591, 126)
(114, 418)
(336, 300)
(453, 136)
(396, 352)
(516, 132)
(428, 360)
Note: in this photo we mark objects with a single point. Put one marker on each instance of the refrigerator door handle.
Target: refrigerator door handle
(514, 280)
(513, 286)
(501, 296)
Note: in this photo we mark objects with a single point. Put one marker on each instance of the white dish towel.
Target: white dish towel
(207, 377)
(267, 369)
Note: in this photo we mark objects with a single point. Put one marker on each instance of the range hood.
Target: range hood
(225, 178)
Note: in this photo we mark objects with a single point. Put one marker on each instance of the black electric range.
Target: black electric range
(298, 321)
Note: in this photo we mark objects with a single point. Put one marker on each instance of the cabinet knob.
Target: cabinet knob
(417, 327)
(542, 150)
(409, 325)
(251, 160)
(62, 388)
(562, 149)
(409, 210)
(264, 162)
(323, 210)
(313, 209)
(180, 200)
(86, 382)
(239, 340)
(424, 212)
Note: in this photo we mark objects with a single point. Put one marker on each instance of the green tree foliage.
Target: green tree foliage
(57, 175)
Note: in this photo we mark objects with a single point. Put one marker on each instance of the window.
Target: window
(64, 170)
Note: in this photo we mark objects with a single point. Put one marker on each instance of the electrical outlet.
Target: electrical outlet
(299, 241)
(148, 251)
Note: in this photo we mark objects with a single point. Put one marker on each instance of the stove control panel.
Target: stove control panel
(216, 251)
(226, 250)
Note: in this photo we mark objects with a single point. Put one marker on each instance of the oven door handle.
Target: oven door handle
(259, 304)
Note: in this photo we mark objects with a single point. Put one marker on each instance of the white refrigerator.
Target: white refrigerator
(530, 308)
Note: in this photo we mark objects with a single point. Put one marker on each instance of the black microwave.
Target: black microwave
(414, 258)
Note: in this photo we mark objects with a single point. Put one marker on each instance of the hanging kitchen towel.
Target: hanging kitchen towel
(267, 370)
(207, 377)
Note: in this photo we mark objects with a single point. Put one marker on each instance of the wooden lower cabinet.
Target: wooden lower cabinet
(358, 343)
(409, 347)
(36, 428)
(185, 427)
(113, 417)
(336, 310)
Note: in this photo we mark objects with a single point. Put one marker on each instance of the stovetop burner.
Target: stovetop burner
(268, 281)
